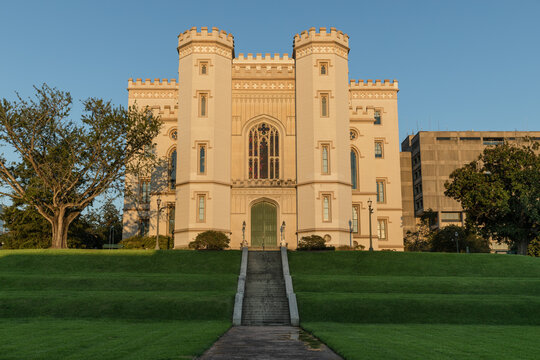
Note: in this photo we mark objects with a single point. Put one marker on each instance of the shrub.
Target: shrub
(147, 242)
(444, 240)
(534, 248)
(356, 246)
(313, 242)
(210, 240)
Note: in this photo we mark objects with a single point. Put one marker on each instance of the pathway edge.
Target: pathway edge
(239, 298)
(291, 296)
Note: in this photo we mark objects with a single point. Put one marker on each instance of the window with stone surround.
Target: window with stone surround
(263, 152)
(382, 226)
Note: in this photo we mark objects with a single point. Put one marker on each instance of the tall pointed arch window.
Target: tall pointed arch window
(354, 169)
(172, 170)
(263, 152)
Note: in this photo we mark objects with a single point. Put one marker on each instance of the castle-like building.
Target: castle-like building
(270, 148)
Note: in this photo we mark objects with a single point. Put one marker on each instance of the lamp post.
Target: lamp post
(370, 209)
(457, 242)
(243, 234)
(282, 229)
(158, 201)
(350, 233)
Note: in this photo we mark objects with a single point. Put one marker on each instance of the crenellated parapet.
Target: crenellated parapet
(159, 89)
(321, 42)
(373, 90)
(215, 41)
(268, 67)
(155, 84)
(362, 113)
(374, 85)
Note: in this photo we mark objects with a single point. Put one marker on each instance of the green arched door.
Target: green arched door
(263, 224)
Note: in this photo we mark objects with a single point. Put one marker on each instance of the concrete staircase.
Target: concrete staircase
(265, 300)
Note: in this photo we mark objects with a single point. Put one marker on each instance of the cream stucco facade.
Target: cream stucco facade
(271, 141)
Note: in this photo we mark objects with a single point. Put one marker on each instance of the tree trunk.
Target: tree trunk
(60, 226)
(522, 247)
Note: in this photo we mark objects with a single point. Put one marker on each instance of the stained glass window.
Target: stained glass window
(263, 152)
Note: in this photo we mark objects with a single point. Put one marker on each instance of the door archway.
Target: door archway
(264, 224)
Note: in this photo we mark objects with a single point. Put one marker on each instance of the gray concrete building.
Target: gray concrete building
(431, 158)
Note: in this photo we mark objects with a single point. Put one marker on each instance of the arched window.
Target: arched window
(354, 169)
(263, 150)
(172, 170)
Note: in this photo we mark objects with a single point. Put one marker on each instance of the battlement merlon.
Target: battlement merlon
(157, 84)
(260, 59)
(192, 35)
(373, 85)
(322, 36)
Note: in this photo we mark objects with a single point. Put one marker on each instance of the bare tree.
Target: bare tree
(60, 165)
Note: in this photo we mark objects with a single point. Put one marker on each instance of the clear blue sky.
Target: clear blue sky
(461, 64)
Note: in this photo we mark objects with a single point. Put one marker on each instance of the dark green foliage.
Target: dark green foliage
(313, 242)
(444, 240)
(500, 193)
(420, 240)
(27, 229)
(147, 242)
(60, 166)
(210, 240)
(534, 248)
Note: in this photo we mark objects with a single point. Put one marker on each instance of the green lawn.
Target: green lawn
(79, 304)
(388, 305)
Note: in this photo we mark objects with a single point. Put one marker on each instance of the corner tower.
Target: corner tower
(323, 144)
(203, 189)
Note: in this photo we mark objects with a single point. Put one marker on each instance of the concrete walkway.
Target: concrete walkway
(268, 342)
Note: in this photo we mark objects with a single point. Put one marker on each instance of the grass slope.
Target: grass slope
(387, 305)
(79, 304)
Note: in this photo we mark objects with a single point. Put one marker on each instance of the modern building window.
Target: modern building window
(325, 148)
(201, 208)
(324, 105)
(202, 159)
(377, 117)
(144, 226)
(327, 211)
(263, 150)
(172, 170)
(382, 225)
(354, 171)
(381, 189)
(355, 219)
(454, 216)
(378, 149)
(203, 104)
(144, 191)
